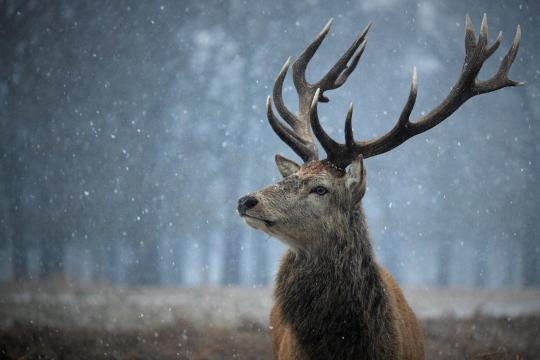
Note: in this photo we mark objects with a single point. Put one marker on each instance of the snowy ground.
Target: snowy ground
(136, 308)
(57, 320)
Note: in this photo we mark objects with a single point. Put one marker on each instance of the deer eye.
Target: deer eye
(319, 190)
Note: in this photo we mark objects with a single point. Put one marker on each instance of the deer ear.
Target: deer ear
(285, 166)
(356, 178)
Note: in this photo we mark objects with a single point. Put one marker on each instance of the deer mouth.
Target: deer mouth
(247, 217)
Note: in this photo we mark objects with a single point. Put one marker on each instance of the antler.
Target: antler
(298, 134)
(467, 86)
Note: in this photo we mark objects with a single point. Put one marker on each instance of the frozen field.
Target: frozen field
(104, 307)
(60, 321)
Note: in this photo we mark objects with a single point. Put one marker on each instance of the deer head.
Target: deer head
(316, 201)
(308, 205)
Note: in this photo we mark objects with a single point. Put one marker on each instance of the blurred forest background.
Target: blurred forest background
(128, 130)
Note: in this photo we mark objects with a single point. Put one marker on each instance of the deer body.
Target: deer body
(342, 305)
(332, 299)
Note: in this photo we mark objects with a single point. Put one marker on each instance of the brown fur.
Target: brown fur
(409, 342)
(316, 167)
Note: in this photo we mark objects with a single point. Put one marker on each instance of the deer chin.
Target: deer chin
(270, 228)
(257, 223)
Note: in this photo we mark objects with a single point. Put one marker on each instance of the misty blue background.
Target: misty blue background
(128, 130)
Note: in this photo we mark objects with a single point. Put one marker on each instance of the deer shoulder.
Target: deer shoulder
(409, 335)
(284, 343)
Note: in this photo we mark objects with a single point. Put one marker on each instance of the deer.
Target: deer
(332, 299)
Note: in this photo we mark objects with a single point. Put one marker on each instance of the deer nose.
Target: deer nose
(245, 203)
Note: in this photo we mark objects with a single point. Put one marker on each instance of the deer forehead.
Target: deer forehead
(318, 168)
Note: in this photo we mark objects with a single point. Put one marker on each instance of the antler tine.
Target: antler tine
(349, 136)
(490, 50)
(331, 147)
(339, 73)
(466, 87)
(300, 65)
(500, 79)
(483, 38)
(304, 148)
(285, 113)
(470, 38)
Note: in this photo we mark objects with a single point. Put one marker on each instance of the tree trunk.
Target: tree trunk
(145, 270)
(205, 249)
(530, 257)
(480, 268)
(15, 219)
(443, 266)
(232, 255)
(19, 252)
(52, 253)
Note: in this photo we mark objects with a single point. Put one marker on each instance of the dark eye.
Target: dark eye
(319, 190)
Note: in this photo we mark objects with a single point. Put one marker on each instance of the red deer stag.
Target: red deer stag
(332, 299)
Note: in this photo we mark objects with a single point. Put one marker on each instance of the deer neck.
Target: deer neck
(334, 300)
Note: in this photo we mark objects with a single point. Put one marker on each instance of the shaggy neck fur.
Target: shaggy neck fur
(334, 299)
